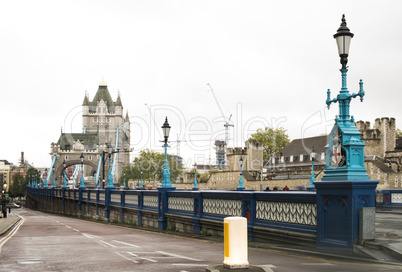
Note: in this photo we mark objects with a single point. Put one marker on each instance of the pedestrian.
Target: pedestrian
(267, 189)
(286, 188)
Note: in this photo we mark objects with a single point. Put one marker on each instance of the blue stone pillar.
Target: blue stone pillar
(80, 198)
(338, 206)
(107, 202)
(163, 206)
(197, 213)
(140, 206)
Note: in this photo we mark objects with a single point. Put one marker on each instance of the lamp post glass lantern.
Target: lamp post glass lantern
(241, 186)
(343, 38)
(165, 170)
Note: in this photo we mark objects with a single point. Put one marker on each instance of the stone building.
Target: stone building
(103, 123)
(252, 155)
(379, 139)
(5, 171)
(292, 165)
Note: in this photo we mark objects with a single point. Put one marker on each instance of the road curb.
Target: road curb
(12, 224)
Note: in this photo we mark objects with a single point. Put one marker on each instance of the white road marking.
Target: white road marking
(317, 264)
(128, 259)
(179, 256)
(200, 265)
(267, 268)
(12, 232)
(68, 226)
(91, 236)
(76, 230)
(106, 243)
(124, 243)
(147, 259)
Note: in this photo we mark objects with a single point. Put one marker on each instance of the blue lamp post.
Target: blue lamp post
(195, 188)
(312, 177)
(124, 178)
(63, 176)
(82, 184)
(166, 171)
(29, 180)
(142, 185)
(45, 179)
(241, 186)
(54, 181)
(109, 176)
(345, 152)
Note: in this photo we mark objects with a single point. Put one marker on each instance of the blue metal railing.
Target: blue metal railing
(389, 198)
(291, 211)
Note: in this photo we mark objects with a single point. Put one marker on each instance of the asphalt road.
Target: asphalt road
(44, 242)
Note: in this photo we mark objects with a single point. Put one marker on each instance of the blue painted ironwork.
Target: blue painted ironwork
(312, 177)
(166, 171)
(344, 98)
(116, 150)
(82, 184)
(241, 186)
(387, 199)
(51, 169)
(64, 179)
(141, 185)
(345, 151)
(98, 171)
(345, 187)
(109, 176)
(195, 178)
(285, 211)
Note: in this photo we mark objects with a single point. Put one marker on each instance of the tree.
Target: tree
(151, 163)
(272, 139)
(15, 187)
(398, 133)
(205, 176)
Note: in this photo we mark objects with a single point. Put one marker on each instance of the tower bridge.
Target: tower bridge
(103, 125)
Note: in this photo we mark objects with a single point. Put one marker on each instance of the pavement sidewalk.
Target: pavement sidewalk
(8, 222)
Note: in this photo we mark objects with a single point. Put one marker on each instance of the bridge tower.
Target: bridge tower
(103, 122)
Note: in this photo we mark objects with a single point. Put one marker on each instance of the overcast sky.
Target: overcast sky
(269, 63)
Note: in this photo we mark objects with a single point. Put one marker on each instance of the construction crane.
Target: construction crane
(226, 120)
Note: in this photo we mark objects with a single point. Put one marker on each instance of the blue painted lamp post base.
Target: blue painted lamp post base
(338, 206)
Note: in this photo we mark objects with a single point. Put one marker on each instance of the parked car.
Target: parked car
(13, 205)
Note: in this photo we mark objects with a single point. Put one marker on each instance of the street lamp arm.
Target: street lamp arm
(361, 92)
(329, 101)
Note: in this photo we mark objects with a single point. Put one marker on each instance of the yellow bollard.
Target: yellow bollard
(235, 238)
